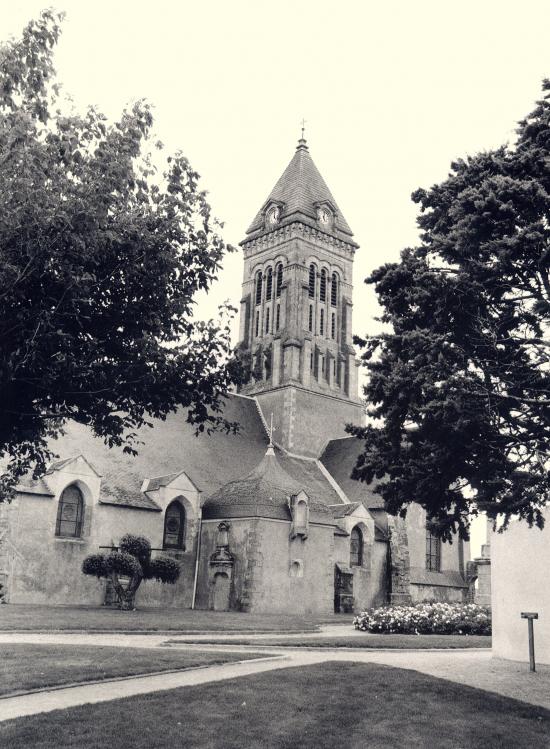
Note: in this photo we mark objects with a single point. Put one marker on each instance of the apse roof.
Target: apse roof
(264, 492)
(299, 191)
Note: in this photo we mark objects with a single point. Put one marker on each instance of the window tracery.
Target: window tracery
(70, 513)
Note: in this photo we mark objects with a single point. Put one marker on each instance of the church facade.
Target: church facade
(268, 519)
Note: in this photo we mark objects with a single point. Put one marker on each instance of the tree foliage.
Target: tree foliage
(133, 560)
(101, 257)
(460, 385)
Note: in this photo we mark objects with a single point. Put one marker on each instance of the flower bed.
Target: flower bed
(427, 618)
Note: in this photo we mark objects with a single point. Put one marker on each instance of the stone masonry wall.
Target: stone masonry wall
(47, 569)
(272, 573)
(306, 421)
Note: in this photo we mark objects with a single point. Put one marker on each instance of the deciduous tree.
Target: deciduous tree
(101, 258)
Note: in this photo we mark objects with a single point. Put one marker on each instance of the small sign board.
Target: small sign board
(529, 615)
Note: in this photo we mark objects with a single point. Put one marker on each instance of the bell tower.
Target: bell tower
(296, 311)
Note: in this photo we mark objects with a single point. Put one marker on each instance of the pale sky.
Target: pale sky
(392, 92)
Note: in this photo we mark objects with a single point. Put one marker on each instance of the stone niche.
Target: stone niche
(220, 571)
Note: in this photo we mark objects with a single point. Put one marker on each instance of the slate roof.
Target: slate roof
(300, 188)
(310, 478)
(171, 447)
(450, 578)
(39, 486)
(152, 484)
(136, 502)
(340, 511)
(263, 492)
(339, 458)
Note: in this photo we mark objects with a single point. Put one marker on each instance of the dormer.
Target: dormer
(162, 489)
(299, 512)
(75, 468)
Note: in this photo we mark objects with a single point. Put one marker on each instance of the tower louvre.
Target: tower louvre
(296, 310)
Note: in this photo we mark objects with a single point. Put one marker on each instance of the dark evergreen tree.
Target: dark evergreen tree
(101, 258)
(460, 382)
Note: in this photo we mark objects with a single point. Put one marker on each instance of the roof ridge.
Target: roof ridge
(332, 481)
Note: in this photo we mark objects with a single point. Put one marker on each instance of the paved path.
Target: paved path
(468, 667)
(43, 702)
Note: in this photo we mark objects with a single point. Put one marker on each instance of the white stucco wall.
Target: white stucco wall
(520, 580)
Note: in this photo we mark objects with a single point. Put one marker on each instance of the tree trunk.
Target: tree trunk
(126, 596)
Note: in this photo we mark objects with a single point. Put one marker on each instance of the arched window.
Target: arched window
(279, 281)
(323, 286)
(259, 287)
(267, 321)
(70, 513)
(334, 290)
(333, 326)
(278, 318)
(322, 323)
(174, 526)
(312, 274)
(257, 324)
(433, 550)
(356, 548)
(269, 284)
(310, 321)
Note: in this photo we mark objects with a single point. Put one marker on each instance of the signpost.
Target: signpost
(530, 615)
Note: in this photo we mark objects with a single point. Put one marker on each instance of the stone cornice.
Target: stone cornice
(294, 230)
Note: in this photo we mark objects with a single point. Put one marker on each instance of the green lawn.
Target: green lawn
(324, 706)
(423, 642)
(24, 667)
(22, 617)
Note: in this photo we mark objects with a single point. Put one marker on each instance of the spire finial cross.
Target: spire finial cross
(303, 127)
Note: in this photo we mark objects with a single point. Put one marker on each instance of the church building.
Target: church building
(265, 520)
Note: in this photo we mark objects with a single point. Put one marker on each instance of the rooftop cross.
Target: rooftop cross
(303, 127)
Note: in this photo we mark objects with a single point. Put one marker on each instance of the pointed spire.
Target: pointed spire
(298, 192)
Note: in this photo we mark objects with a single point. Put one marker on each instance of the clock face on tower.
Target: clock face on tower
(273, 215)
(323, 216)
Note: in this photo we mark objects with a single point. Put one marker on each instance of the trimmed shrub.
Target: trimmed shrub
(427, 619)
(137, 546)
(163, 569)
(134, 562)
(122, 563)
(94, 565)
